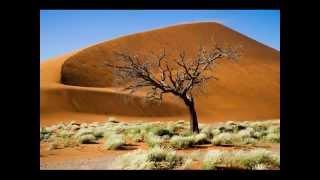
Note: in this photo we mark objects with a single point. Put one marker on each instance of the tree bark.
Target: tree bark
(193, 114)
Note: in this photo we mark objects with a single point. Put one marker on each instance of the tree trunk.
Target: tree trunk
(193, 114)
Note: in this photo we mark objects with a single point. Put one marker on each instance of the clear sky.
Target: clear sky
(62, 31)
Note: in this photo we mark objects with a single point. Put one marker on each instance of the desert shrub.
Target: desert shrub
(45, 133)
(87, 139)
(160, 131)
(273, 137)
(225, 139)
(250, 159)
(135, 134)
(259, 134)
(65, 133)
(59, 143)
(260, 167)
(212, 159)
(215, 132)
(207, 130)
(153, 140)
(201, 138)
(136, 160)
(115, 141)
(83, 125)
(155, 158)
(61, 126)
(274, 129)
(83, 131)
(173, 128)
(99, 132)
(253, 159)
(187, 164)
(232, 139)
(137, 137)
(181, 142)
(185, 133)
(260, 126)
(246, 133)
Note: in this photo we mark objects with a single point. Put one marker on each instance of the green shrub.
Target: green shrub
(136, 160)
(156, 158)
(226, 139)
(273, 137)
(212, 159)
(115, 142)
(87, 139)
(187, 165)
(59, 143)
(215, 132)
(65, 133)
(153, 140)
(181, 142)
(45, 133)
(250, 159)
(83, 131)
(254, 159)
(99, 132)
(246, 133)
(201, 138)
(186, 133)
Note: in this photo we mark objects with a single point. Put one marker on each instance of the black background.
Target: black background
(22, 78)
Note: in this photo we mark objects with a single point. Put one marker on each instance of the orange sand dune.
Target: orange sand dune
(248, 89)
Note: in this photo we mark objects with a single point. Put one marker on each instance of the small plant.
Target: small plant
(215, 132)
(212, 159)
(87, 139)
(83, 131)
(260, 167)
(201, 138)
(250, 159)
(181, 142)
(187, 165)
(115, 142)
(45, 133)
(254, 159)
(59, 143)
(136, 160)
(226, 139)
(153, 140)
(99, 132)
(246, 133)
(273, 137)
(156, 158)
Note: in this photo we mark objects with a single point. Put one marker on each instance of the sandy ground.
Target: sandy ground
(93, 157)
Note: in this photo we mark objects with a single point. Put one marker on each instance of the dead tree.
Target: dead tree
(177, 76)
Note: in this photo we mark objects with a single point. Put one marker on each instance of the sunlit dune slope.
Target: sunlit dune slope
(247, 89)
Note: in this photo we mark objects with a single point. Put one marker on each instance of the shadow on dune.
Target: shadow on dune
(102, 102)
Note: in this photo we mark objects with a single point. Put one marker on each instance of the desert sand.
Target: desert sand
(76, 86)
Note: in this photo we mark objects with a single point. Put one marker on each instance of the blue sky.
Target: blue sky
(62, 31)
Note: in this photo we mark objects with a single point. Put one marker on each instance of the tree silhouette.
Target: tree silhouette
(177, 76)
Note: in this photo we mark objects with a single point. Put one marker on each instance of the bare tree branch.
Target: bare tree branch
(161, 77)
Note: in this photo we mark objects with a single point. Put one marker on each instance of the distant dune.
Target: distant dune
(78, 84)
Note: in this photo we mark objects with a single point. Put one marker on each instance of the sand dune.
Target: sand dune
(78, 83)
